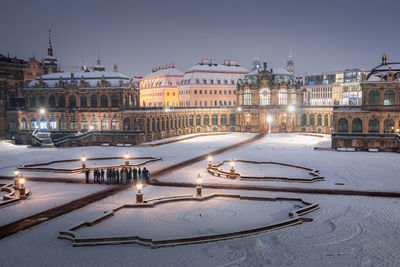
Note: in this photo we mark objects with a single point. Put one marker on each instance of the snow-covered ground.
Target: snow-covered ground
(13, 156)
(345, 231)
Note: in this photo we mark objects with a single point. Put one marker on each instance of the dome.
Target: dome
(256, 64)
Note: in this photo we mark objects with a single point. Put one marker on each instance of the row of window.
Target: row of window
(311, 121)
(373, 125)
(72, 103)
(205, 81)
(216, 103)
(374, 98)
(225, 92)
(265, 97)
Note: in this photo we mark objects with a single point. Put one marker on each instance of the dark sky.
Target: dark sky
(138, 35)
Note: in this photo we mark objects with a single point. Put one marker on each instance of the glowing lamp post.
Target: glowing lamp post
(198, 185)
(209, 162)
(232, 173)
(126, 159)
(269, 120)
(16, 177)
(139, 194)
(21, 182)
(83, 159)
(42, 111)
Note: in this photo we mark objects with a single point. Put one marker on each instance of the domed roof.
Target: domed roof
(256, 64)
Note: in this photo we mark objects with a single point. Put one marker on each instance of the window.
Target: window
(53, 124)
(104, 124)
(127, 124)
(114, 124)
(388, 126)
(373, 126)
(13, 125)
(214, 119)
(198, 119)
(23, 124)
(282, 97)
(191, 120)
(223, 120)
(265, 97)
(312, 120)
(103, 101)
(61, 101)
(247, 97)
(206, 120)
(93, 101)
(374, 98)
(356, 126)
(52, 101)
(343, 125)
(33, 123)
(42, 101)
(63, 124)
(84, 124)
(319, 120)
(293, 98)
(232, 119)
(73, 124)
(72, 101)
(388, 98)
(326, 120)
(32, 102)
(114, 101)
(83, 100)
(303, 120)
(195, 92)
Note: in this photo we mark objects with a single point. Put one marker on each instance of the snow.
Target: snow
(164, 72)
(345, 231)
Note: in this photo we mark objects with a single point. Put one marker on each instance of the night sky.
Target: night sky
(138, 35)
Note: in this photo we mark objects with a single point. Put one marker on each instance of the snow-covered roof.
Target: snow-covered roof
(164, 72)
(217, 68)
(92, 79)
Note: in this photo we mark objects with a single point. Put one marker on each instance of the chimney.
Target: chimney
(231, 62)
(204, 61)
(173, 65)
(211, 62)
(265, 65)
(226, 62)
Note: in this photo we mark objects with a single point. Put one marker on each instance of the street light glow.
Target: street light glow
(83, 159)
(139, 186)
(210, 158)
(199, 179)
(239, 109)
(21, 181)
(269, 119)
(16, 172)
(42, 111)
(126, 155)
(291, 108)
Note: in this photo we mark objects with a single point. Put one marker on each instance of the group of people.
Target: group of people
(116, 176)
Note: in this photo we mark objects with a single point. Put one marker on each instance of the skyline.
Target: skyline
(140, 36)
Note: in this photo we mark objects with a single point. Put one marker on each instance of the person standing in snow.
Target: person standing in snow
(134, 172)
(87, 172)
(101, 176)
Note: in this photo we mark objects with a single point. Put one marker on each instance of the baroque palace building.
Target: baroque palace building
(375, 124)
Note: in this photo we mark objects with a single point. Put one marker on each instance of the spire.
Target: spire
(384, 59)
(50, 48)
(290, 52)
(290, 62)
(98, 56)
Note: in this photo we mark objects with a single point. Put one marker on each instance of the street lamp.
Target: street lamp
(16, 178)
(239, 109)
(209, 162)
(126, 159)
(83, 159)
(139, 194)
(198, 185)
(42, 111)
(232, 173)
(269, 120)
(21, 182)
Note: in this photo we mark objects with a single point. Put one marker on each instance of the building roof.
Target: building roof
(164, 72)
(92, 79)
(217, 68)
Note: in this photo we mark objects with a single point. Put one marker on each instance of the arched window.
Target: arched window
(153, 125)
(343, 126)
(104, 124)
(138, 124)
(62, 124)
(43, 124)
(84, 124)
(214, 119)
(388, 98)
(198, 120)
(23, 124)
(83, 100)
(72, 101)
(373, 126)
(265, 97)
(356, 125)
(319, 120)
(247, 97)
(158, 124)
(114, 124)
(303, 119)
(103, 101)
(32, 101)
(171, 123)
(61, 101)
(326, 120)
(53, 124)
(162, 124)
(42, 101)
(127, 124)
(114, 101)
(205, 120)
(94, 125)
(282, 97)
(179, 123)
(232, 119)
(293, 98)
(93, 101)
(52, 101)
(167, 123)
(312, 120)
(175, 123)
(374, 98)
(388, 126)
(223, 120)
(33, 123)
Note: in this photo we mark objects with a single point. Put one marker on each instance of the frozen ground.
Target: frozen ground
(14, 156)
(345, 231)
(356, 170)
(45, 196)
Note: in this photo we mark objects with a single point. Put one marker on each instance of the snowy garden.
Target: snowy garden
(354, 223)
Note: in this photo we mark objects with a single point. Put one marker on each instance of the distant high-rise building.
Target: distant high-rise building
(290, 63)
